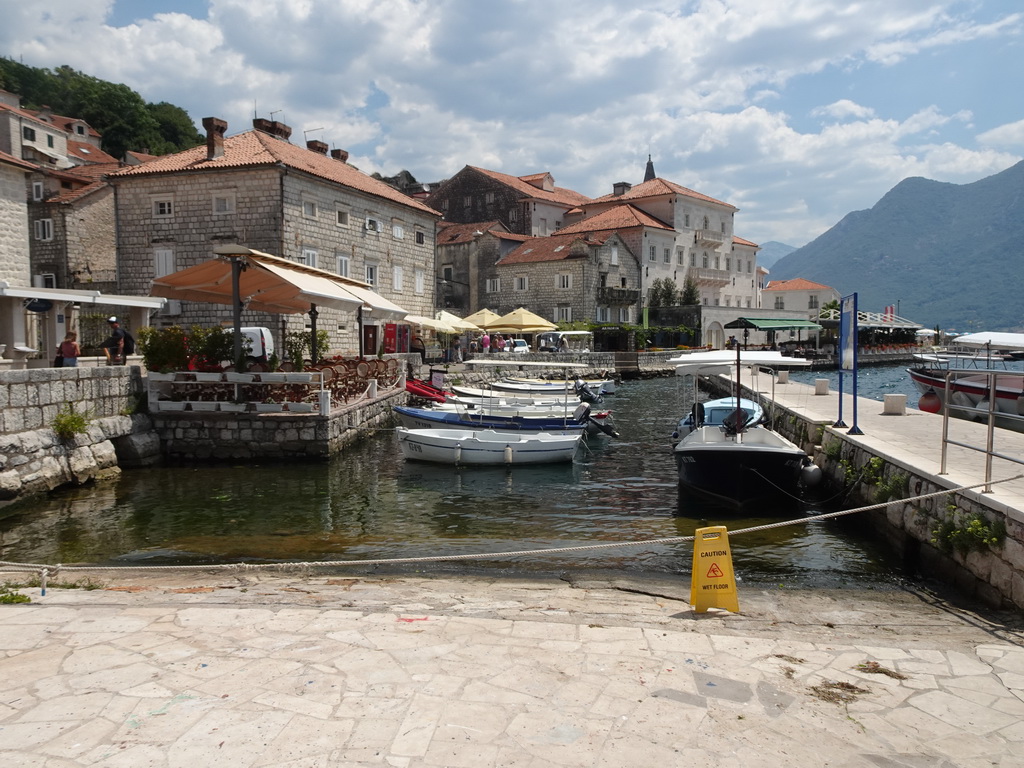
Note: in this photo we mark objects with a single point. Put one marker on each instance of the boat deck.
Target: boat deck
(913, 440)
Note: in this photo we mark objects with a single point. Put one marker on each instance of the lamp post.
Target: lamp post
(313, 315)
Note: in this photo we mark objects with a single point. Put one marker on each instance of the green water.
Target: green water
(369, 503)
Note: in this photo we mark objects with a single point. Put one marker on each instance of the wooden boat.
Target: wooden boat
(738, 461)
(488, 447)
(429, 418)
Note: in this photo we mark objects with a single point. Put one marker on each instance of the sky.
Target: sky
(797, 112)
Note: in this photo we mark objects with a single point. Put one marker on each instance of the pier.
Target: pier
(908, 443)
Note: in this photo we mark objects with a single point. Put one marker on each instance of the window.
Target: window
(723, 227)
(707, 223)
(623, 314)
(705, 261)
(667, 256)
(604, 314)
(223, 202)
(718, 262)
(693, 259)
(308, 257)
(728, 263)
(513, 215)
(28, 134)
(447, 273)
(748, 303)
(396, 277)
(488, 197)
(493, 284)
(749, 263)
(679, 257)
(653, 254)
(341, 218)
(80, 130)
(163, 207)
(563, 281)
(371, 274)
(686, 220)
(780, 303)
(615, 255)
(421, 237)
(309, 209)
(543, 227)
(372, 225)
(343, 264)
(37, 190)
(43, 229)
(522, 283)
(398, 231)
(420, 281)
(563, 314)
(49, 140)
(622, 282)
(467, 200)
(812, 302)
(163, 262)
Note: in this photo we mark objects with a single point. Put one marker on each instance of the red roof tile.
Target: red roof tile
(623, 216)
(17, 161)
(255, 148)
(796, 284)
(559, 195)
(656, 187)
(552, 248)
(741, 241)
(88, 153)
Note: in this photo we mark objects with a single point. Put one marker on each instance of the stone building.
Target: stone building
(258, 190)
(466, 255)
(566, 278)
(526, 205)
(802, 298)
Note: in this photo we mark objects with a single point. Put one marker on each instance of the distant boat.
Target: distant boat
(571, 423)
(487, 447)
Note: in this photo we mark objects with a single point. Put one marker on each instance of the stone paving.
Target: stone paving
(471, 671)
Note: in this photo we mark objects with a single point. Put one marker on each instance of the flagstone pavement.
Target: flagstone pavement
(478, 671)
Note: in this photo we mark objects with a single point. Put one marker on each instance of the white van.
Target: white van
(257, 343)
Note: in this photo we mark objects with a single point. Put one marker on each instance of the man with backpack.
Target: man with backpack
(119, 345)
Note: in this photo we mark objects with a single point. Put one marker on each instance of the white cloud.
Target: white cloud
(719, 91)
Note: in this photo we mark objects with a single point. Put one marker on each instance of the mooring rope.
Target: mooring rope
(47, 571)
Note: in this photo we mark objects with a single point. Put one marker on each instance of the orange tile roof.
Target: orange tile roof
(17, 161)
(622, 216)
(26, 113)
(66, 124)
(552, 248)
(449, 232)
(142, 157)
(559, 195)
(88, 153)
(741, 241)
(255, 148)
(656, 187)
(796, 284)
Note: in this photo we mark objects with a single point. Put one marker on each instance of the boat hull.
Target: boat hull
(970, 390)
(424, 418)
(485, 447)
(761, 467)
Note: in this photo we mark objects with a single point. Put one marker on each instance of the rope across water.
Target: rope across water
(46, 570)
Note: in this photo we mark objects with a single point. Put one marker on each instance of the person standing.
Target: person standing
(69, 350)
(113, 347)
(485, 343)
(501, 343)
(458, 350)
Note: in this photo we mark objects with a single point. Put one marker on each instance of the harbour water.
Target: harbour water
(369, 503)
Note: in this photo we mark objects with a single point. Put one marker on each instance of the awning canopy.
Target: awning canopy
(428, 322)
(270, 284)
(456, 322)
(57, 295)
(772, 324)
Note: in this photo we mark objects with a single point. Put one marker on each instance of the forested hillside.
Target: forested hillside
(117, 112)
(950, 255)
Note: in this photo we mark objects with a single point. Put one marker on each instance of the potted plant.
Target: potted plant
(164, 351)
(209, 348)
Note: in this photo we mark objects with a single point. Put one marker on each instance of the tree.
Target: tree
(691, 293)
(662, 293)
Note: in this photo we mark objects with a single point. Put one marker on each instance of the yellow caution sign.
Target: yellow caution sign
(713, 583)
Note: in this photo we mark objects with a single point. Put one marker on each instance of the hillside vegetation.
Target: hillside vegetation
(950, 254)
(118, 113)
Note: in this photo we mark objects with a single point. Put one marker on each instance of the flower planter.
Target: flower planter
(269, 407)
(204, 405)
(273, 377)
(298, 378)
(238, 378)
(171, 405)
(300, 407)
(155, 376)
(207, 376)
(234, 407)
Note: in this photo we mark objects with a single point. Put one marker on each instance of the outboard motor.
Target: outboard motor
(585, 393)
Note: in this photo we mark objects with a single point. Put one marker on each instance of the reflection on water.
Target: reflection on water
(370, 504)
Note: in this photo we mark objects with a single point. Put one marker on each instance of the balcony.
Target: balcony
(617, 296)
(711, 278)
(708, 238)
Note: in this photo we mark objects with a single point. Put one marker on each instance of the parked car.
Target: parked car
(257, 342)
(517, 346)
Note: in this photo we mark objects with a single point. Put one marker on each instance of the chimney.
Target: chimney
(620, 188)
(262, 124)
(280, 130)
(317, 146)
(340, 154)
(215, 129)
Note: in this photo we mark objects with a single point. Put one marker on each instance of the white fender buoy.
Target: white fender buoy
(810, 475)
(458, 452)
(508, 453)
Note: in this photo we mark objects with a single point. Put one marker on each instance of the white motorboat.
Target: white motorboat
(541, 386)
(488, 447)
(737, 460)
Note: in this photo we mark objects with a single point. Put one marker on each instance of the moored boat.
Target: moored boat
(428, 418)
(486, 447)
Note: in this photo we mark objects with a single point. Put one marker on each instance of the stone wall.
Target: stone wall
(13, 226)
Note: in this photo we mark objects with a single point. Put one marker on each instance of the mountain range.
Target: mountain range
(771, 252)
(949, 255)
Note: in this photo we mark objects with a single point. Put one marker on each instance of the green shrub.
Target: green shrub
(9, 597)
(68, 422)
(965, 532)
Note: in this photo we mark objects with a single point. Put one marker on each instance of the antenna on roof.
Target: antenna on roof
(274, 113)
(255, 114)
(305, 134)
